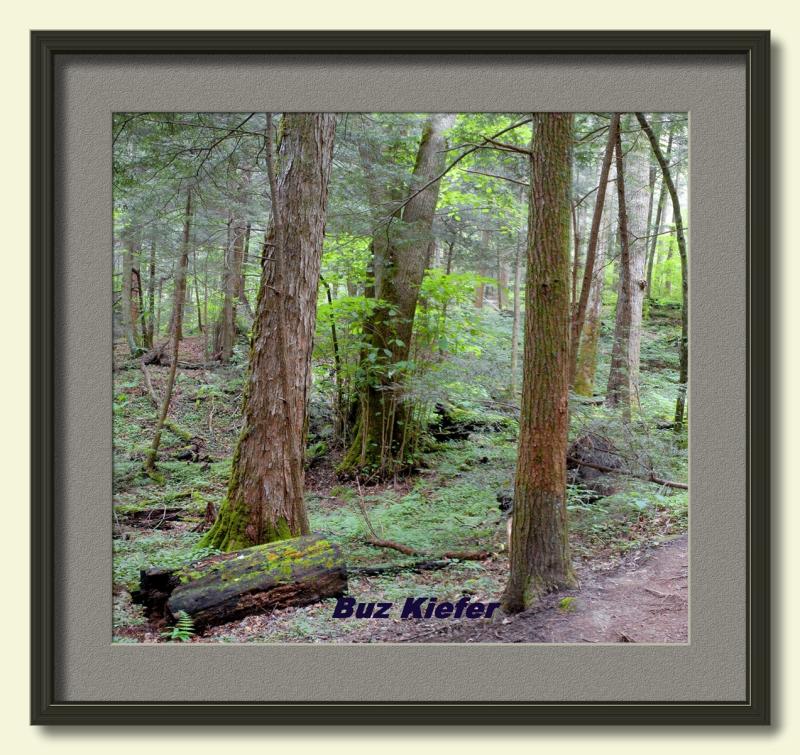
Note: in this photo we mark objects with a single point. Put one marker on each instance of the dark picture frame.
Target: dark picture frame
(47, 46)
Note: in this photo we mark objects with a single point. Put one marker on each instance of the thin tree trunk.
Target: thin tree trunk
(128, 322)
(680, 403)
(540, 559)
(151, 295)
(583, 383)
(157, 327)
(623, 380)
(233, 285)
(183, 265)
(662, 193)
(591, 247)
(142, 311)
(196, 287)
(241, 285)
(265, 493)
(502, 281)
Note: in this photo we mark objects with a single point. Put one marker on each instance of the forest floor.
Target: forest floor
(629, 547)
(644, 600)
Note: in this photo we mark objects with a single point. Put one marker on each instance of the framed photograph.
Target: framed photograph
(400, 377)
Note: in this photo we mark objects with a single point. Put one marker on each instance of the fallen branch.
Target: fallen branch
(394, 546)
(451, 555)
(647, 478)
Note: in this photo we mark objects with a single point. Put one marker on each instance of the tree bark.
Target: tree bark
(680, 403)
(583, 382)
(400, 253)
(265, 493)
(515, 322)
(226, 324)
(623, 380)
(128, 318)
(591, 247)
(539, 547)
(656, 228)
(180, 289)
(227, 587)
(151, 295)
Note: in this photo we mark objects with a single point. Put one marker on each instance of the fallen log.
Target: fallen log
(651, 477)
(255, 580)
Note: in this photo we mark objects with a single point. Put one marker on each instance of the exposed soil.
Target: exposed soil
(645, 599)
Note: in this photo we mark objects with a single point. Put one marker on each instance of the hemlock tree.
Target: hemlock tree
(678, 220)
(539, 546)
(400, 251)
(583, 384)
(265, 493)
(632, 193)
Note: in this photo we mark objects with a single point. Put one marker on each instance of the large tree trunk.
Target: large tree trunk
(623, 380)
(591, 247)
(539, 547)
(680, 403)
(265, 494)
(256, 580)
(180, 289)
(400, 253)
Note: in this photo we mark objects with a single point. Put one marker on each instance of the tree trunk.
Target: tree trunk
(583, 383)
(656, 228)
(539, 547)
(591, 247)
(196, 286)
(178, 303)
(128, 319)
(400, 253)
(680, 403)
(226, 324)
(141, 310)
(515, 322)
(623, 380)
(241, 283)
(180, 289)
(151, 295)
(256, 580)
(265, 493)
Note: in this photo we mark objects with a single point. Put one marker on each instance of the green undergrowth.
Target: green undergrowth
(448, 503)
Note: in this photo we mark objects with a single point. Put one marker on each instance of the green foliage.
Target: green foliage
(183, 631)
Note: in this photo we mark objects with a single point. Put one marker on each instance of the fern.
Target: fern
(183, 630)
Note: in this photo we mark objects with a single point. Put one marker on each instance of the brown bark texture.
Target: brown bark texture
(265, 493)
(540, 559)
(400, 255)
(591, 247)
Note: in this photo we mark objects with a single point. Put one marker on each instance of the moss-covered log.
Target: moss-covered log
(255, 580)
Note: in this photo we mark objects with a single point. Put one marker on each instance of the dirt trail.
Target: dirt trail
(645, 599)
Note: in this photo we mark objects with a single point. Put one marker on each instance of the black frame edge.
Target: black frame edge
(45, 45)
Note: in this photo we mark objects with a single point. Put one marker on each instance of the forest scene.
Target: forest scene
(362, 358)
